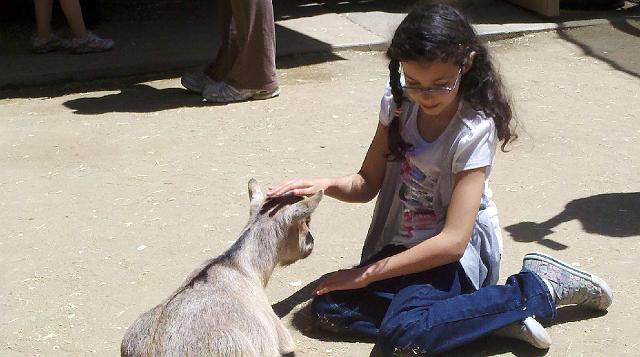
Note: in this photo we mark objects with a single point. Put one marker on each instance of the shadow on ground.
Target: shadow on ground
(610, 214)
(607, 44)
(139, 98)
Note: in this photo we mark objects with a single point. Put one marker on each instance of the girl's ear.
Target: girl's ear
(468, 63)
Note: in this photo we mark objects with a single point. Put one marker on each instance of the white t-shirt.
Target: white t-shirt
(468, 142)
(425, 162)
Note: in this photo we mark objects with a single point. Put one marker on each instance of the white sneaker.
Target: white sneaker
(197, 81)
(529, 331)
(220, 92)
(51, 43)
(91, 43)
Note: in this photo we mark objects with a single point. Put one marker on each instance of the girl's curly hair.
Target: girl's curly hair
(441, 32)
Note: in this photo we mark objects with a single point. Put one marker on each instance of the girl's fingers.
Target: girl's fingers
(285, 187)
(321, 290)
(304, 191)
(297, 188)
(277, 190)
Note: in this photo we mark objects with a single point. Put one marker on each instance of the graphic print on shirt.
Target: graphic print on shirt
(416, 194)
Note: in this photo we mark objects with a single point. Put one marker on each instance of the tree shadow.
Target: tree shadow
(608, 45)
(610, 214)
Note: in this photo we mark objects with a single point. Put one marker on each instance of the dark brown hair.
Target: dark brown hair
(441, 32)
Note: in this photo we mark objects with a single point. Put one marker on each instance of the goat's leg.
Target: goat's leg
(286, 345)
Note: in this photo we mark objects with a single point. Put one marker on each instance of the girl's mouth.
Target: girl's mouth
(430, 107)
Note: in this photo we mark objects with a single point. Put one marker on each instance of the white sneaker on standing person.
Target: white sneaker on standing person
(83, 41)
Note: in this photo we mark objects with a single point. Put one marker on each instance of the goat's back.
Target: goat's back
(224, 314)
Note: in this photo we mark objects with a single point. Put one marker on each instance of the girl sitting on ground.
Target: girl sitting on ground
(427, 282)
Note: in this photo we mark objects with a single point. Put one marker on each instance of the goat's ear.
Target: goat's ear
(255, 195)
(305, 207)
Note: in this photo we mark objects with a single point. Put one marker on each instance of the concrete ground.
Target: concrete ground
(110, 197)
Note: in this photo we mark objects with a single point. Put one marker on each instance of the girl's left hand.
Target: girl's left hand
(346, 279)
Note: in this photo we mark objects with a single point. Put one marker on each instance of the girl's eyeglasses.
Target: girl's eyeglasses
(439, 90)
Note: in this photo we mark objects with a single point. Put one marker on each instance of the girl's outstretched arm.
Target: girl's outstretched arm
(444, 248)
(362, 186)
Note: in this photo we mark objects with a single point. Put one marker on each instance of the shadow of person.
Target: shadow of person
(303, 320)
(609, 214)
(139, 98)
(574, 313)
(284, 307)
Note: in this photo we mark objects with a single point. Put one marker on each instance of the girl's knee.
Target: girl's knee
(327, 313)
(322, 305)
(405, 334)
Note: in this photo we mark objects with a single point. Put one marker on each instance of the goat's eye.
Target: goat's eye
(308, 221)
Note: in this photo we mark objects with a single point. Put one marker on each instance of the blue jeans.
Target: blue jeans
(432, 311)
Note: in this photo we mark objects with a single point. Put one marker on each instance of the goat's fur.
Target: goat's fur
(221, 309)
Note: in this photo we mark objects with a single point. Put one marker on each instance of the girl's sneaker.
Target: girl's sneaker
(49, 44)
(91, 43)
(569, 285)
(529, 331)
(220, 92)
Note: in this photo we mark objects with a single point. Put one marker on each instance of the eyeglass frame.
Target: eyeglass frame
(444, 90)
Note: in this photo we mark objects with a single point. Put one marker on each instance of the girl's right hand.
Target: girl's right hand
(297, 187)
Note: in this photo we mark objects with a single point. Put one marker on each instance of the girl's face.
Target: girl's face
(434, 85)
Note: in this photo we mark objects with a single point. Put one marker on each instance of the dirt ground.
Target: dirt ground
(109, 198)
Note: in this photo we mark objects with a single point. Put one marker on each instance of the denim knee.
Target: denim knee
(405, 334)
(326, 313)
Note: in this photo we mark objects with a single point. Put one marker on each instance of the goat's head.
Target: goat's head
(291, 216)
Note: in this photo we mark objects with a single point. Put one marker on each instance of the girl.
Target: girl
(426, 283)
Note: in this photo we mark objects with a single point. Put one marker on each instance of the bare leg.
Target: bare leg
(73, 13)
(43, 17)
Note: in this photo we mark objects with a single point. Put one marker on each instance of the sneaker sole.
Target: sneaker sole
(575, 271)
(257, 96)
(530, 331)
(89, 51)
(265, 95)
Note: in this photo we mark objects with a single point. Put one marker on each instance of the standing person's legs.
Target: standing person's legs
(215, 71)
(255, 64)
(43, 10)
(73, 14)
(46, 41)
(228, 50)
(83, 40)
(250, 52)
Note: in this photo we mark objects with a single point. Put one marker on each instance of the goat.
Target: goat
(221, 309)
